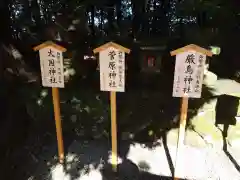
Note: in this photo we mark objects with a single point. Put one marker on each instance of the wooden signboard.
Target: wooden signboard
(112, 78)
(188, 78)
(51, 61)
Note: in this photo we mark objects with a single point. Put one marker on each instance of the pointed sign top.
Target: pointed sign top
(111, 44)
(191, 47)
(49, 43)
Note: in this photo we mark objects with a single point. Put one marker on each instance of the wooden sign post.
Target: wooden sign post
(188, 78)
(51, 61)
(112, 78)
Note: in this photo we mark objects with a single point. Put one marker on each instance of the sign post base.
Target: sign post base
(56, 105)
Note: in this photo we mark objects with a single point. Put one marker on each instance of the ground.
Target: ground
(203, 156)
(90, 160)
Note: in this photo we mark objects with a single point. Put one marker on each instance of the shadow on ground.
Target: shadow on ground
(127, 170)
(144, 116)
(228, 154)
(90, 160)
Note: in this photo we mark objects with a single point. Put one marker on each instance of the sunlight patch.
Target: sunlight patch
(31, 178)
(58, 173)
(39, 102)
(119, 160)
(92, 175)
(72, 171)
(44, 93)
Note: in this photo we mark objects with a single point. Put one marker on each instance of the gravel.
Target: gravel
(90, 161)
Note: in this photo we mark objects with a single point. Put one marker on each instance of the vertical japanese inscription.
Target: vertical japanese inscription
(120, 68)
(178, 84)
(59, 68)
(199, 73)
(190, 61)
(52, 66)
(112, 70)
(188, 74)
(112, 67)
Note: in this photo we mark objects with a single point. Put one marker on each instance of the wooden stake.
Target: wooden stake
(56, 105)
(114, 129)
(181, 133)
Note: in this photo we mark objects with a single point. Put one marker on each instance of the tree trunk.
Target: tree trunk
(92, 23)
(138, 15)
(102, 19)
(5, 15)
(110, 16)
(119, 12)
(27, 11)
(36, 15)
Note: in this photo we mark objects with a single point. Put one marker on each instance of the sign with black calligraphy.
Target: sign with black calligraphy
(112, 70)
(188, 74)
(112, 67)
(189, 70)
(188, 77)
(51, 61)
